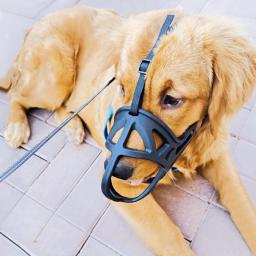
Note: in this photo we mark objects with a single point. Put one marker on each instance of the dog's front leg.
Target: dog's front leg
(222, 174)
(152, 223)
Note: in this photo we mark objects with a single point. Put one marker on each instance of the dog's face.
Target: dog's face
(191, 75)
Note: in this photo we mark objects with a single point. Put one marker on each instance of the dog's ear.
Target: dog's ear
(234, 73)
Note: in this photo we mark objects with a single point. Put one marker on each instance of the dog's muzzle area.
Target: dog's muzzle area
(145, 124)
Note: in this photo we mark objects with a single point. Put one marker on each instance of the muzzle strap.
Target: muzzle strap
(143, 68)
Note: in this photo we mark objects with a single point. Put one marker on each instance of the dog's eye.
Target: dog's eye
(171, 102)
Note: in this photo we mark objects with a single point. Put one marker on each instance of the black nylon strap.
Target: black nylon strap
(144, 65)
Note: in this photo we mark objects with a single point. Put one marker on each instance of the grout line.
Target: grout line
(241, 138)
(36, 178)
(13, 186)
(95, 238)
(54, 211)
(17, 14)
(44, 157)
(38, 202)
(202, 7)
(246, 176)
(10, 240)
(38, 117)
(94, 226)
(193, 194)
(218, 205)
(14, 206)
(37, 15)
(99, 241)
(75, 225)
(83, 173)
(200, 224)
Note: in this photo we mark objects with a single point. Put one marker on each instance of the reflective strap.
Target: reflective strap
(108, 118)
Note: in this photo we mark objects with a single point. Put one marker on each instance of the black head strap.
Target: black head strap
(144, 65)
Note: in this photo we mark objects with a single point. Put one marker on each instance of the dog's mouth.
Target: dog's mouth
(138, 182)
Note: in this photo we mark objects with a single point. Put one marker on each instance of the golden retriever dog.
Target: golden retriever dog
(205, 66)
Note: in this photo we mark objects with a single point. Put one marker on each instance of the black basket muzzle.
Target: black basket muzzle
(145, 124)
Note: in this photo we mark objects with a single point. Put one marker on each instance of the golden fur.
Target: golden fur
(209, 63)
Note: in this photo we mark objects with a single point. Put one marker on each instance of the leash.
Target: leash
(11, 169)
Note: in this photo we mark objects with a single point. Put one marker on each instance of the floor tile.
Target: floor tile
(4, 96)
(4, 110)
(197, 186)
(12, 29)
(233, 143)
(57, 5)
(238, 122)
(250, 186)
(132, 6)
(95, 248)
(62, 174)
(7, 248)
(240, 8)
(177, 204)
(41, 114)
(58, 238)
(124, 239)
(25, 222)
(39, 130)
(248, 25)
(192, 6)
(244, 157)
(51, 120)
(28, 8)
(249, 128)
(9, 197)
(86, 203)
(218, 236)
(25, 175)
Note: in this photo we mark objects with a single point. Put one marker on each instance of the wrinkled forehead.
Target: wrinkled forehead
(189, 73)
(183, 66)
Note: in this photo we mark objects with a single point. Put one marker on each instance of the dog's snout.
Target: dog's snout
(121, 171)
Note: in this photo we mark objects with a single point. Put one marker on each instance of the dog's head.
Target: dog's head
(204, 67)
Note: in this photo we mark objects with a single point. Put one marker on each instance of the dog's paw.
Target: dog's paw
(17, 134)
(75, 131)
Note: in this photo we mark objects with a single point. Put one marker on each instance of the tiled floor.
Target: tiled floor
(53, 205)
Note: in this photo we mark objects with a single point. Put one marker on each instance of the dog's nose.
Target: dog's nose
(121, 171)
